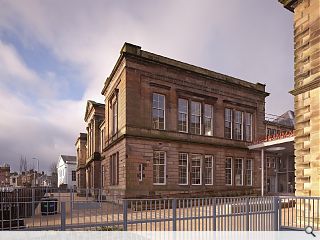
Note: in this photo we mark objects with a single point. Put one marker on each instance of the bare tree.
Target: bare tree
(53, 168)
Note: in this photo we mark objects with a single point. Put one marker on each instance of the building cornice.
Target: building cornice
(135, 51)
(289, 4)
(307, 87)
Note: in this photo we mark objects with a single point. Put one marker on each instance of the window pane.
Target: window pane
(115, 117)
(183, 168)
(208, 121)
(158, 111)
(183, 115)
(249, 172)
(208, 165)
(239, 171)
(196, 169)
(248, 129)
(195, 126)
(159, 167)
(238, 121)
(228, 171)
(228, 123)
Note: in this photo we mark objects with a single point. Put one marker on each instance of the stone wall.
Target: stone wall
(307, 95)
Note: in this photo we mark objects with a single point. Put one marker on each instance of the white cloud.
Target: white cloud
(12, 65)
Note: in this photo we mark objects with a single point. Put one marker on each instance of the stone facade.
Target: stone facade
(81, 147)
(306, 94)
(94, 117)
(131, 139)
(5, 175)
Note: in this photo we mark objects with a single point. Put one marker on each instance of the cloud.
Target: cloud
(239, 38)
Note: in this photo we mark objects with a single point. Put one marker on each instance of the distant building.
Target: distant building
(5, 175)
(66, 169)
(27, 179)
(81, 161)
(45, 180)
(14, 179)
(94, 117)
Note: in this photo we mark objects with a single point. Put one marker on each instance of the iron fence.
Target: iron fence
(68, 211)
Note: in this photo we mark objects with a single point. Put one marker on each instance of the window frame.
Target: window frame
(102, 175)
(73, 176)
(205, 168)
(187, 169)
(235, 170)
(165, 168)
(157, 108)
(246, 125)
(114, 169)
(251, 172)
(231, 171)
(228, 121)
(197, 116)
(114, 109)
(192, 167)
(206, 117)
(186, 113)
(140, 172)
(235, 137)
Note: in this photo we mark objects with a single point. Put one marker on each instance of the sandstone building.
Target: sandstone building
(306, 94)
(169, 127)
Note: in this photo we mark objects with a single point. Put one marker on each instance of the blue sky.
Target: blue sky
(54, 55)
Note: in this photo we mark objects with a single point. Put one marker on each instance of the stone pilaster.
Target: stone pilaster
(306, 94)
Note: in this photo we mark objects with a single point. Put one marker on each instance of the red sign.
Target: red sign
(278, 136)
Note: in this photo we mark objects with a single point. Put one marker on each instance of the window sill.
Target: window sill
(159, 184)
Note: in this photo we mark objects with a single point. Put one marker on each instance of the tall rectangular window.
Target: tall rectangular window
(74, 175)
(239, 171)
(158, 111)
(159, 168)
(228, 123)
(183, 115)
(102, 176)
(249, 172)
(228, 171)
(208, 168)
(238, 125)
(183, 168)
(196, 169)
(248, 127)
(102, 139)
(195, 126)
(114, 169)
(208, 120)
(140, 175)
(115, 117)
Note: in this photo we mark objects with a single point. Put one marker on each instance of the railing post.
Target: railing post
(71, 202)
(125, 215)
(214, 214)
(247, 214)
(33, 203)
(63, 216)
(276, 214)
(174, 214)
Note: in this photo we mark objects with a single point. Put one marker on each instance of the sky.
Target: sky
(55, 55)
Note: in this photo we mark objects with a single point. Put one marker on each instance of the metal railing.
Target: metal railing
(68, 211)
